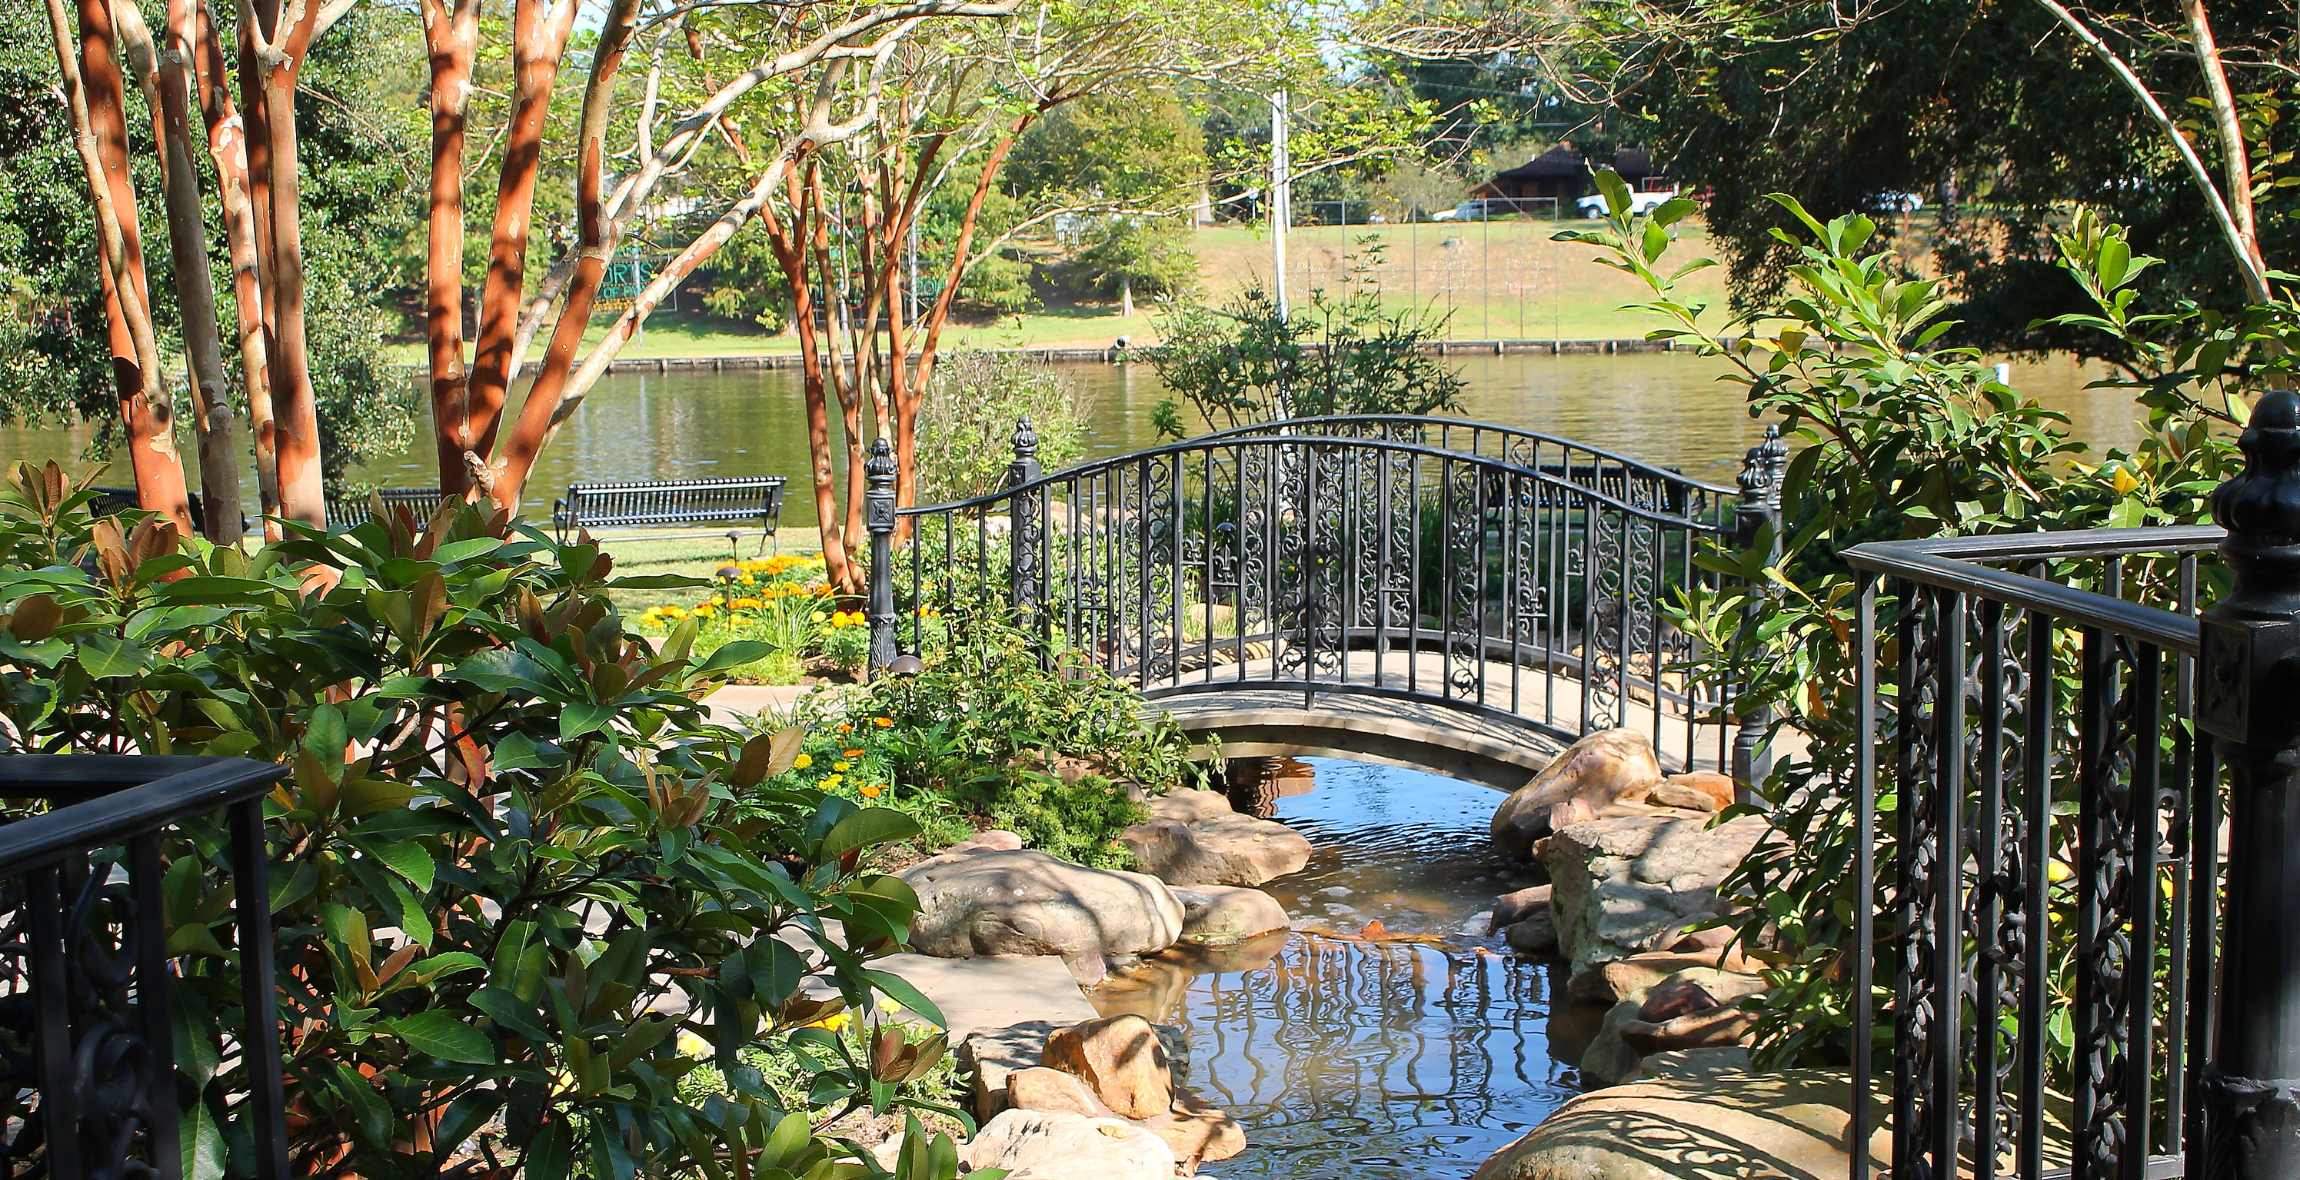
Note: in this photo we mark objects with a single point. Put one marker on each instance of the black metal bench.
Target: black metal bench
(645, 503)
(352, 511)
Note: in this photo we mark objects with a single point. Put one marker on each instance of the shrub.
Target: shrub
(511, 849)
(966, 431)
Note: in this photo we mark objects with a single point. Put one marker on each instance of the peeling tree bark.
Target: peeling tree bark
(451, 37)
(165, 72)
(273, 42)
(93, 90)
(228, 149)
(537, 41)
(595, 247)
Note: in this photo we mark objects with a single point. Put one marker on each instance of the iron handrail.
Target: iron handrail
(1451, 424)
(1095, 467)
(1953, 563)
(106, 799)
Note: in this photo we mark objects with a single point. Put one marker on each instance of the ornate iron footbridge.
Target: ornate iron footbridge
(1430, 592)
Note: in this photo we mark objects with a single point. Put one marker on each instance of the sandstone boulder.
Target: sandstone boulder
(1511, 908)
(1533, 935)
(1727, 979)
(1709, 1029)
(1051, 1090)
(1121, 1058)
(1226, 915)
(1782, 1126)
(1626, 884)
(1600, 769)
(991, 840)
(989, 1059)
(1024, 902)
(1609, 1061)
(1702, 790)
(1053, 1145)
(1672, 1000)
(1194, 838)
(1197, 1132)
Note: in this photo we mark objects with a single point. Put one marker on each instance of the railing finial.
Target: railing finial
(878, 502)
(2260, 506)
(2247, 676)
(1025, 440)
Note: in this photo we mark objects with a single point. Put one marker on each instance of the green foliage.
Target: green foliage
(510, 843)
(966, 431)
(1991, 112)
(1135, 147)
(1141, 256)
(1893, 438)
(1008, 740)
(1243, 363)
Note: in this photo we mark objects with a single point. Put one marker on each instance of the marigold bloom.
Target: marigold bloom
(871, 791)
(802, 762)
(883, 722)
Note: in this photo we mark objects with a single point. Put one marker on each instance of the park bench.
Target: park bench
(345, 512)
(646, 503)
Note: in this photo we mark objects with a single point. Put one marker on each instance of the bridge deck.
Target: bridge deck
(1528, 715)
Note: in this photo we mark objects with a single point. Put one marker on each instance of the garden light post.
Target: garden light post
(2248, 697)
(878, 503)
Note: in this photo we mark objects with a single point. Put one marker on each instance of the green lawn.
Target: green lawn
(1491, 279)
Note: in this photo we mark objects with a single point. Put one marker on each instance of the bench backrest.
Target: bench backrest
(672, 502)
(352, 511)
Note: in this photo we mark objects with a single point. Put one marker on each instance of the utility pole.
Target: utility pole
(1281, 192)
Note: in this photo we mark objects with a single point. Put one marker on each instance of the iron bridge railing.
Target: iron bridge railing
(2091, 918)
(87, 1040)
(1511, 575)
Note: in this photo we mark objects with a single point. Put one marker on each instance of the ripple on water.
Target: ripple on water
(1373, 1059)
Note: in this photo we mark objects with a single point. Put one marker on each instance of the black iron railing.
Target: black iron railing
(2092, 925)
(87, 1040)
(1503, 573)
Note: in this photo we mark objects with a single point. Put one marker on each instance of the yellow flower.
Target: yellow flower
(719, 599)
(842, 765)
(871, 791)
(803, 761)
(833, 781)
(818, 616)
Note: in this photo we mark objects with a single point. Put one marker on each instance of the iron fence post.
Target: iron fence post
(2248, 678)
(1024, 523)
(878, 472)
(1760, 481)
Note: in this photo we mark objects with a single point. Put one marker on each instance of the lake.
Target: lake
(1663, 408)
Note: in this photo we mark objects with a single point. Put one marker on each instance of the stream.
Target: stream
(1414, 1053)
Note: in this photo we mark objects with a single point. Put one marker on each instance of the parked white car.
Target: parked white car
(1889, 202)
(1593, 205)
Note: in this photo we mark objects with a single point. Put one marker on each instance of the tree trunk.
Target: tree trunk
(451, 36)
(537, 40)
(93, 87)
(228, 148)
(272, 57)
(790, 249)
(596, 245)
(171, 84)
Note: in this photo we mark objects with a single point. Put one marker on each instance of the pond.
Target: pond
(1413, 1055)
(1661, 408)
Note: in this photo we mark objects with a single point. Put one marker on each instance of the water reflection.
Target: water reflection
(1411, 1056)
(1662, 408)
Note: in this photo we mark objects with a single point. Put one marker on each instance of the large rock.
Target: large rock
(1534, 935)
(1727, 978)
(1512, 908)
(991, 1057)
(1609, 1061)
(1713, 1029)
(1194, 838)
(1197, 1132)
(1051, 1090)
(1599, 770)
(1626, 884)
(1702, 790)
(1782, 1126)
(1054, 1145)
(1225, 915)
(1028, 903)
(1121, 1058)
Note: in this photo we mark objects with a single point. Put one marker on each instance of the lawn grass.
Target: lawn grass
(1497, 279)
(696, 556)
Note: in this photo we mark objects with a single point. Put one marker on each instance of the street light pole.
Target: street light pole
(1281, 192)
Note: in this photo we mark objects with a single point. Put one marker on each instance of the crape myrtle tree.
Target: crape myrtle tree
(952, 106)
(250, 182)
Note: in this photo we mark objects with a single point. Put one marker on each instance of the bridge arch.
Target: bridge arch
(1435, 593)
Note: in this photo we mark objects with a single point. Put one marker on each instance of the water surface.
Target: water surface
(1375, 1059)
